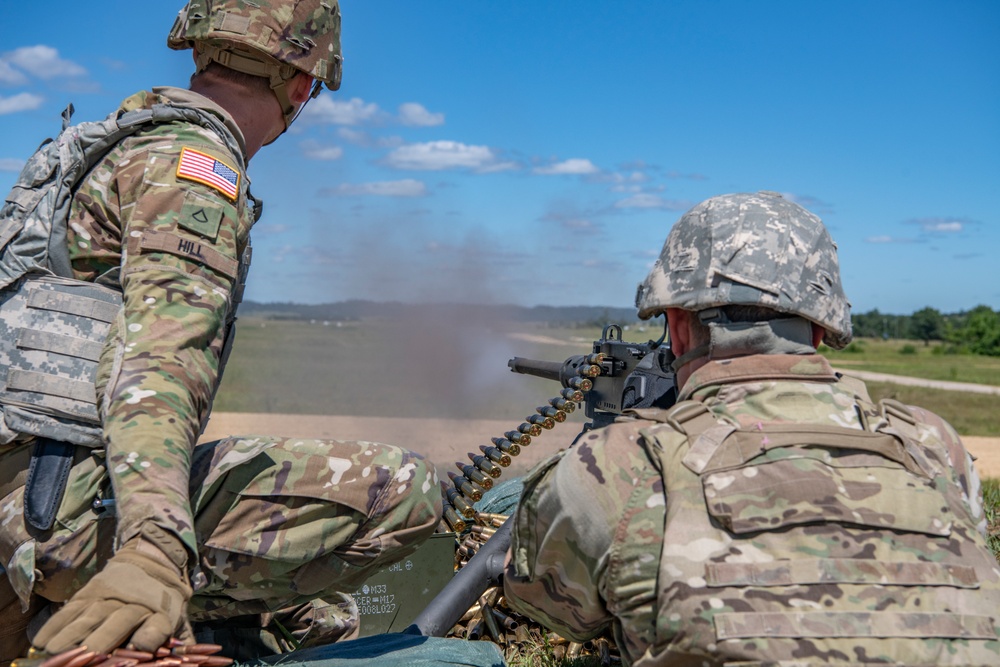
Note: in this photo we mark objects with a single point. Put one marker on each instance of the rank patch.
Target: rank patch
(202, 214)
(203, 168)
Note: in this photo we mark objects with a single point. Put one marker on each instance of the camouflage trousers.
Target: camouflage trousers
(280, 522)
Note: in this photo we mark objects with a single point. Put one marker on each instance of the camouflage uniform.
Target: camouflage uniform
(774, 517)
(267, 522)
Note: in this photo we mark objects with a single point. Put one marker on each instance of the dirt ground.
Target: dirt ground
(445, 441)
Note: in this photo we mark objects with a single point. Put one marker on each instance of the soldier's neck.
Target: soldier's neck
(258, 116)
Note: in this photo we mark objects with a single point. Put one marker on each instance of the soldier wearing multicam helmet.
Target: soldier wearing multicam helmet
(775, 514)
(123, 250)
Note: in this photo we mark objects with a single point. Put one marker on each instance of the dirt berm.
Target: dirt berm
(446, 441)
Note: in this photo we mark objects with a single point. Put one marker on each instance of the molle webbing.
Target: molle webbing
(54, 330)
(73, 304)
(839, 571)
(743, 445)
(50, 385)
(914, 625)
(50, 342)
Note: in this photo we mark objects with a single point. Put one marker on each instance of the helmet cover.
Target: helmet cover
(300, 34)
(753, 250)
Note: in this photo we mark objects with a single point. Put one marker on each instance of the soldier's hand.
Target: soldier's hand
(140, 597)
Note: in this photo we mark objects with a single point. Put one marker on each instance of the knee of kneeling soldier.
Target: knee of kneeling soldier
(410, 505)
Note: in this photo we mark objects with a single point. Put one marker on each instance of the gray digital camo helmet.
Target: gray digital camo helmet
(754, 250)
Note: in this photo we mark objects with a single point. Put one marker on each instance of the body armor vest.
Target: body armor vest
(54, 326)
(800, 544)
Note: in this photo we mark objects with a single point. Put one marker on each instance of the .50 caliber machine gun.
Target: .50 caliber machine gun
(616, 376)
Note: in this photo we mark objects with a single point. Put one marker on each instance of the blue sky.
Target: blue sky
(538, 152)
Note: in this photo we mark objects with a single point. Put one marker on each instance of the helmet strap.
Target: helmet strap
(277, 74)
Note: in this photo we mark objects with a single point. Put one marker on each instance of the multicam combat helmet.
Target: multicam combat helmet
(754, 250)
(275, 39)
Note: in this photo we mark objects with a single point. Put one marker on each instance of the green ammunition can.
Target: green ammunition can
(394, 596)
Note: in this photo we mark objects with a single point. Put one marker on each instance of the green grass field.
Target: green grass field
(991, 501)
(969, 413)
(386, 368)
(459, 370)
(913, 358)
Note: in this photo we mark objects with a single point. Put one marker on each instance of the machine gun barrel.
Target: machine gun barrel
(550, 370)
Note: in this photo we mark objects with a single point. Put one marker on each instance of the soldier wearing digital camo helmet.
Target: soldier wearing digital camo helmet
(775, 515)
(118, 288)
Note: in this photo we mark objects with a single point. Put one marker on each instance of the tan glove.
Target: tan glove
(140, 594)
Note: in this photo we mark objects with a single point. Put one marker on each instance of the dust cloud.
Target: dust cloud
(448, 333)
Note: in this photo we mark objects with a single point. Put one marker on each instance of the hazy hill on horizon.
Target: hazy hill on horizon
(357, 309)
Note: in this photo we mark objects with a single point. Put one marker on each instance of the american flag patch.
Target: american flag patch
(197, 166)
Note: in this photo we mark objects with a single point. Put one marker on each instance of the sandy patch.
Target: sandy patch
(445, 441)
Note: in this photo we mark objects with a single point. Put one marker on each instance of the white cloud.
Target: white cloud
(9, 75)
(340, 112)
(646, 200)
(358, 137)
(579, 166)
(43, 62)
(406, 187)
(885, 238)
(940, 225)
(316, 151)
(580, 226)
(11, 164)
(416, 115)
(953, 226)
(19, 102)
(366, 140)
(438, 155)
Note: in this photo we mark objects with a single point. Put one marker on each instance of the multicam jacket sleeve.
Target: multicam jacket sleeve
(173, 245)
(934, 427)
(587, 521)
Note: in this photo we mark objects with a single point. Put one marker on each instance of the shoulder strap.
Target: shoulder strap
(716, 444)
(45, 187)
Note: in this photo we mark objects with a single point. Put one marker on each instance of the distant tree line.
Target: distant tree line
(975, 331)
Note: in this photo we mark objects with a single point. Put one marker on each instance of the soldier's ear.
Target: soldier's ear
(679, 322)
(300, 87)
(818, 333)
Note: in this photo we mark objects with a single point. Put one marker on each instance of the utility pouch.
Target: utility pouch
(48, 474)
